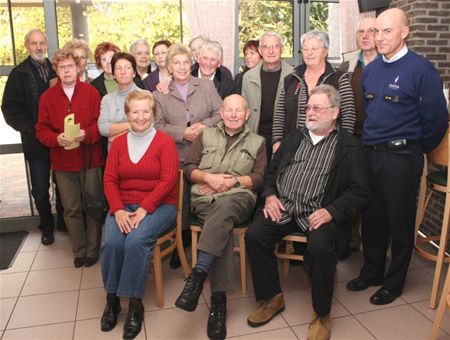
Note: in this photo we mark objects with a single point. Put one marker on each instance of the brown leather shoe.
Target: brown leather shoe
(319, 328)
(266, 311)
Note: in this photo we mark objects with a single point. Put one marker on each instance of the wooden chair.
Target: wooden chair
(239, 231)
(174, 240)
(443, 305)
(288, 253)
(435, 181)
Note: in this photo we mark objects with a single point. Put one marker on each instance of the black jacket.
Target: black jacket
(223, 83)
(347, 190)
(20, 105)
(99, 84)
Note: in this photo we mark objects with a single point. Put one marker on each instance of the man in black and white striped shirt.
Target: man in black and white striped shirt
(316, 183)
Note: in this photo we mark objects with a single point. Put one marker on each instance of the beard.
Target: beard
(38, 56)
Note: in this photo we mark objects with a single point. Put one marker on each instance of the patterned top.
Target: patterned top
(301, 184)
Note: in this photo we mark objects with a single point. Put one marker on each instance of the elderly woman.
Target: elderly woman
(290, 111)
(209, 61)
(190, 105)
(161, 74)
(113, 121)
(140, 50)
(76, 160)
(251, 59)
(140, 185)
(80, 49)
(105, 82)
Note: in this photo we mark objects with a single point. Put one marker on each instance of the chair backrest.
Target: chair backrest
(440, 155)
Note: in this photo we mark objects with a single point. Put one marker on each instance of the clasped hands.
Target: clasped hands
(127, 221)
(273, 209)
(215, 183)
(193, 131)
(64, 141)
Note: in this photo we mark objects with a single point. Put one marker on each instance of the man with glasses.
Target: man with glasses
(262, 84)
(25, 84)
(316, 184)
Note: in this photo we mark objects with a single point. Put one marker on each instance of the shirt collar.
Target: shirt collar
(210, 78)
(400, 54)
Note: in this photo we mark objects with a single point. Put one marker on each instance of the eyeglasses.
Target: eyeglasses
(367, 31)
(67, 66)
(269, 47)
(317, 108)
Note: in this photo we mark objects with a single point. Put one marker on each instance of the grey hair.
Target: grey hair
(213, 46)
(34, 30)
(319, 35)
(138, 42)
(201, 37)
(331, 93)
(272, 34)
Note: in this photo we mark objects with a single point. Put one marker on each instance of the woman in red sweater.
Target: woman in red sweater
(140, 185)
(76, 160)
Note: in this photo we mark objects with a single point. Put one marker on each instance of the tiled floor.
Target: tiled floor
(44, 297)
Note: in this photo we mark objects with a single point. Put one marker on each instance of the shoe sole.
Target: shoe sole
(184, 307)
(259, 324)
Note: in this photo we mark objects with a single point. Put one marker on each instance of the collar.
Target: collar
(400, 54)
(199, 75)
(361, 58)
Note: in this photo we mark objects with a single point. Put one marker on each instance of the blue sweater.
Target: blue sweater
(404, 99)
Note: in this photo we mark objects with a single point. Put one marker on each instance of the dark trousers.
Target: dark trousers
(390, 216)
(40, 184)
(320, 258)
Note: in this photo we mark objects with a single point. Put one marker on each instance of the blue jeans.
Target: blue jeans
(125, 258)
(40, 183)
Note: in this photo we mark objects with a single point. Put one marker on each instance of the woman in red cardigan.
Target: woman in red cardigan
(140, 185)
(76, 160)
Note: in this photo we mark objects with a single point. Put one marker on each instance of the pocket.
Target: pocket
(245, 161)
(208, 154)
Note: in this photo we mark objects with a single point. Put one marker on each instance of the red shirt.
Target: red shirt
(149, 183)
(54, 106)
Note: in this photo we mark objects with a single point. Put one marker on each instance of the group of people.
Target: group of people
(322, 150)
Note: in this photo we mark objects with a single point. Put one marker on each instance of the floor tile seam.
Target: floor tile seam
(432, 320)
(49, 268)
(381, 309)
(39, 325)
(261, 331)
(52, 292)
(77, 304)
(363, 326)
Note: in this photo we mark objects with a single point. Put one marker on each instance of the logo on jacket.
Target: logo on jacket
(395, 86)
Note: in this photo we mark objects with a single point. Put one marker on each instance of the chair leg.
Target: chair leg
(289, 250)
(183, 259)
(441, 254)
(158, 276)
(194, 235)
(243, 261)
(441, 309)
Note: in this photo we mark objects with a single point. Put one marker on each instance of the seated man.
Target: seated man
(316, 183)
(227, 165)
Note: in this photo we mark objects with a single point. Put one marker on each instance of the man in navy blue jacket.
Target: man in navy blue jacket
(406, 116)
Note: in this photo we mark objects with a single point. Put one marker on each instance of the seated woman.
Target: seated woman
(209, 61)
(140, 186)
(105, 82)
(113, 120)
(80, 48)
(251, 59)
(161, 74)
(190, 105)
(290, 113)
(76, 160)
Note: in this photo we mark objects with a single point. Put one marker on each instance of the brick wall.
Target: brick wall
(430, 37)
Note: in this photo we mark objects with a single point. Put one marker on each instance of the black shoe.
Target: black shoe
(384, 297)
(217, 321)
(79, 262)
(109, 317)
(47, 237)
(133, 324)
(359, 284)
(188, 298)
(90, 261)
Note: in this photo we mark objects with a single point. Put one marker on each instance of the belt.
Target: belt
(393, 145)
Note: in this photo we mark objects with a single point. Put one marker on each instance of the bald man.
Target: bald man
(406, 116)
(226, 165)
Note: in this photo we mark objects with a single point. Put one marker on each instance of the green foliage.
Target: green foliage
(318, 19)
(257, 17)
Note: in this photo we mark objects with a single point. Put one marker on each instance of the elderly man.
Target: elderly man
(262, 84)
(226, 164)
(25, 84)
(406, 116)
(355, 63)
(209, 62)
(316, 183)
